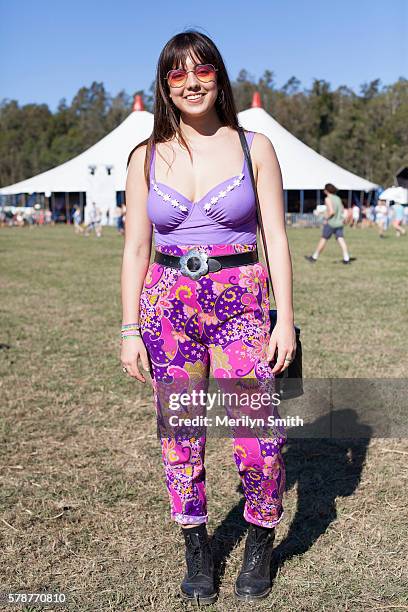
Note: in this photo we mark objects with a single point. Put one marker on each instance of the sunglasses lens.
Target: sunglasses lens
(176, 78)
(205, 73)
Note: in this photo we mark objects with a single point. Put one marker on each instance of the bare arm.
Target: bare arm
(329, 208)
(270, 193)
(138, 238)
(136, 258)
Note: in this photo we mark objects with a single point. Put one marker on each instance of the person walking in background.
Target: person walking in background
(95, 221)
(118, 218)
(77, 219)
(348, 216)
(405, 215)
(381, 217)
(120, 221)
(371, 215)
(2, 218)
(355, 217)
(123, 219)
(333, 223)
(98, 222)
(367, 216)
(398, 217)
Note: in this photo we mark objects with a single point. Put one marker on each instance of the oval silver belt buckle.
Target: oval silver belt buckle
(194, 264)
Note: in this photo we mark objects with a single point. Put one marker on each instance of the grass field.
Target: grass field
(84, 505)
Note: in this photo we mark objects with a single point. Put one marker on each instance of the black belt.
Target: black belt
(195, 263)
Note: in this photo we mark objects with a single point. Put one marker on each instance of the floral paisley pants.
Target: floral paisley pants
(219, 324)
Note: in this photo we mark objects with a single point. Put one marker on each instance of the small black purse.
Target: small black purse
(290, 380)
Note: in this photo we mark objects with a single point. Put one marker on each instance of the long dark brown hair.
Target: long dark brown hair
(166, 115)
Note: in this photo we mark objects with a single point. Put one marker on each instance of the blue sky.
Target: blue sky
(49, 49)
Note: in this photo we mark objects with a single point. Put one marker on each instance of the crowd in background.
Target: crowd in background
(20, 216)
(383, 215)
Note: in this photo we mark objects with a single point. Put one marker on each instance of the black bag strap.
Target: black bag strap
(247, 154)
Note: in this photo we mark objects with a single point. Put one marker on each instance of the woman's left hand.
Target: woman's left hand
(283, 340)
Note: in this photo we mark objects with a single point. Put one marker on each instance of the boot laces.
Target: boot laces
(255, 553)
(198, 557)
(196, 562)
(256, 549)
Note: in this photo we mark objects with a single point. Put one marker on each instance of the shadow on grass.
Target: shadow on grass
(323, 469)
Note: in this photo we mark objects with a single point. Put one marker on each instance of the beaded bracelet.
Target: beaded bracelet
(130, 329)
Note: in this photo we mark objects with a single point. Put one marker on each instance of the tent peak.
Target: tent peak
(138, 103)
(256, 100)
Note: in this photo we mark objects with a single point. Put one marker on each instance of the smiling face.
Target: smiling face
(194, 97)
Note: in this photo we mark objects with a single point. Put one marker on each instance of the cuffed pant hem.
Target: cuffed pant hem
(260, 522)
(189, 520)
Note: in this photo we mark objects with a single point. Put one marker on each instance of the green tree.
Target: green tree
(365, 132)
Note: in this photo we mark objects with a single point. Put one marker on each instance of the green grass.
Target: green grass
(84, 505)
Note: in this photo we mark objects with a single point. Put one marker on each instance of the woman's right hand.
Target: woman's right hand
(132, 349)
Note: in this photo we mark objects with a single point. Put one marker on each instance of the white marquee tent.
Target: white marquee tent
(302, 167)
(100, 171)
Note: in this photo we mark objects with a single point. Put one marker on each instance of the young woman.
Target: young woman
(207, 311)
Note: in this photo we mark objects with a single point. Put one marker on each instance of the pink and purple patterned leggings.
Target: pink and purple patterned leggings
(219, 324)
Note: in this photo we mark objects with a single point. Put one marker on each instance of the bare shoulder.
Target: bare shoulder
(137, 157)
(264, 155)
(262, 149)
(136, 180)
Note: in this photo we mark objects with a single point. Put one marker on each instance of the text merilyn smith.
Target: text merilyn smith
(226, 421)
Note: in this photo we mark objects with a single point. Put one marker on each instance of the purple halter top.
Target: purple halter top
(225, 215)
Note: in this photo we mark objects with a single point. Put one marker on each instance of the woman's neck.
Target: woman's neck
(192, 128)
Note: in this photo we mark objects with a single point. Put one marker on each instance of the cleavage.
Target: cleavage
(197, 201)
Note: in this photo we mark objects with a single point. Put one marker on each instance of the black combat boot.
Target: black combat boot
(198, 583)
(254, 579)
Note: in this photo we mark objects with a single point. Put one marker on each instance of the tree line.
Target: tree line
(364, 132)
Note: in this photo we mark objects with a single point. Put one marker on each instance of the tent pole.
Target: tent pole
(81, 204)
(53, 206)
(317, 197)
(349, 198)
(286, 200)
(302, 201)
(361, 198)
